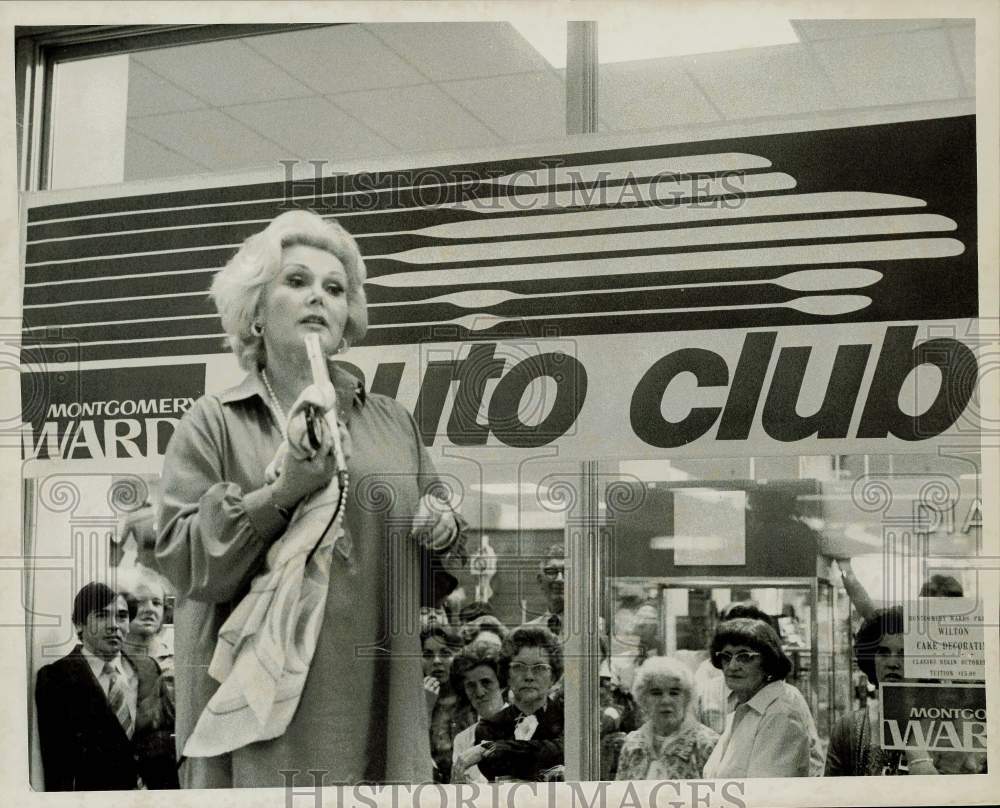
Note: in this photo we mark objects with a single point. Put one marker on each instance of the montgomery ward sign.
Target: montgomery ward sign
(807, 292)
(933, 717)
(112, 414)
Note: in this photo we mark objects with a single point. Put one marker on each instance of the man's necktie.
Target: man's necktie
(555, 624)
(117, 698)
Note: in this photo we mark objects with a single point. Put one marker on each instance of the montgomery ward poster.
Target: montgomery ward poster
(503, 403)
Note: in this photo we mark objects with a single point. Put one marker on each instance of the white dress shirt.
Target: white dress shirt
(125, 669)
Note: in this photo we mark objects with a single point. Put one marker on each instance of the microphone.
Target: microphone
(321, 378)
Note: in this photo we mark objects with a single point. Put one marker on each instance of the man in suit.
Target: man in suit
(88, 701)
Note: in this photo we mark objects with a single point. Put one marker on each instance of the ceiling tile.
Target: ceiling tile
(149, 94)
(892, 69)
(313, 128)
(839, 29)
(211, 138)
(146, 159)
(963, 45)
(756, 82)
(417, 119)
(223, 73)
(527, 106)
(461, 50)
(650, 94)
(339, 58)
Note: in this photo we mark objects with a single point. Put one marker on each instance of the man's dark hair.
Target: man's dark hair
(941, 586)
(91, 598)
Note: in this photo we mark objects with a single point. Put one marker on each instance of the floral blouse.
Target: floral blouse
(682, 755)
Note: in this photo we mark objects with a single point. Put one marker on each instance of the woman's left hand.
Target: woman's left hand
(470, 757)
(435, 525)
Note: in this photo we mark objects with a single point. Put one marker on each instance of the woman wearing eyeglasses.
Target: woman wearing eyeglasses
(765, 735)
(524, 741)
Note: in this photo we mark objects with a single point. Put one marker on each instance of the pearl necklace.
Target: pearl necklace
(276, 404)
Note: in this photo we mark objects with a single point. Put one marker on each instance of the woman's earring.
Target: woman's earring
(257, 329)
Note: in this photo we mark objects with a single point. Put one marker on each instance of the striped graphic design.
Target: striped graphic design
(846, 225)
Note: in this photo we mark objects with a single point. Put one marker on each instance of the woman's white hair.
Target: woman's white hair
(661, 668)
(237, 287)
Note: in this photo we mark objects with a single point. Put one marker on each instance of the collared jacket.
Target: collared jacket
(361, 716)
(83, 745)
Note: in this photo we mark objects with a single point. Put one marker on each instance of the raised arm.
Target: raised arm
(213, 535)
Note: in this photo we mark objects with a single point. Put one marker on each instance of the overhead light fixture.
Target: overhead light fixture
(626, 39)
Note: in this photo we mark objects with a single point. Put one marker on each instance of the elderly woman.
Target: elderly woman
(671, 744)
(765, 735)
(355, 715)
(475, 676)
(524, 740)
(855, 747)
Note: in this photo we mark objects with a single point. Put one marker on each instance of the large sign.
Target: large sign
(790, 293)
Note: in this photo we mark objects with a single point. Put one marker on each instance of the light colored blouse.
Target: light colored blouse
(764, 737)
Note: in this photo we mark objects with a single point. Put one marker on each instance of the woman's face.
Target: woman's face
(664, 702)
(307, 296)
(149, 612)
(437, 658)
(530, 678)
(744, 670)
(889, 659)
(482, 688)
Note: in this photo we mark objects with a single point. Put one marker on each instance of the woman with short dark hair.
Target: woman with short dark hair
(765, 735)
(524, 740)
(855, 744)
(475, 677)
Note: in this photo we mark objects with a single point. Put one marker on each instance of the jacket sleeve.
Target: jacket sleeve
(780, 748)
(56, 746)
(213, 536)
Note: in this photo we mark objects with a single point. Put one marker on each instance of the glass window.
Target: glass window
(336, 94)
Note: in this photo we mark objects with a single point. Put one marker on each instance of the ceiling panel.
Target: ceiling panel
(524, 107)
(146, 159)
(650, 94)
(839, 29)
(963, 45)
(892, 69)
(222, 73)
(461, 50)
(313, 128)
(781, 80)
(340, 58)
(417, 118)
(212, 138)
(149, 94)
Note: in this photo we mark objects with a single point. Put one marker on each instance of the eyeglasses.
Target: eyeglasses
(520, 668)
(554, 572)
(742, 658)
